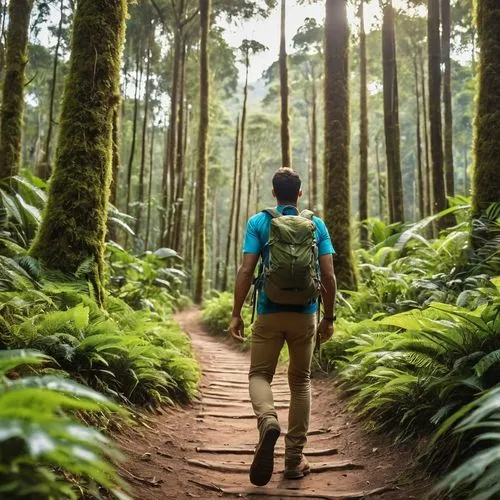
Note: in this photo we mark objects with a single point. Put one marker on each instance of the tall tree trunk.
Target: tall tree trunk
(363, 132)
(3, 15)
(391, 116)
(434, 50)
(448, 113)
(179, 167)
(73, 229)
(240, 168)
(420, 172)
(201, 186)
(138, 80)
(12, 112)
(337, 200)
(382, 188)
(466, 167)
(172, 139)
(249, 185)
(314, 142)
(233, 207)
(286, 150)
(150, 183)
(142, 171)
(165, 190)
(428, 172)
(45, 168)
(486, 178)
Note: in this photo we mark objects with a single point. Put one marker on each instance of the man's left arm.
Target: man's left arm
(243, 283)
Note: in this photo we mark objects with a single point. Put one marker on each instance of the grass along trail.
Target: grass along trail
(205, 450)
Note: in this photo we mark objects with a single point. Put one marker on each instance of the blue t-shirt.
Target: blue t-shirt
(256, 237)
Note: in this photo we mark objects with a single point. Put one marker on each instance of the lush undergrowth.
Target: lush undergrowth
(130, 352)
(417, 347)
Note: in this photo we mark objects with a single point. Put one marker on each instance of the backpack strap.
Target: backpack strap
(308, 214)
(272, 212)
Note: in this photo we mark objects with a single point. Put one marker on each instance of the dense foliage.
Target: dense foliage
(132, 351)
(416, 349)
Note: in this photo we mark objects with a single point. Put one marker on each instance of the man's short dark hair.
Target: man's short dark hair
(286, 184)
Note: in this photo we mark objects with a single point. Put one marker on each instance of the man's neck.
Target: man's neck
(287, 203)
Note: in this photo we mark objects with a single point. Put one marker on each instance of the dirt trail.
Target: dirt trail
(205, 450)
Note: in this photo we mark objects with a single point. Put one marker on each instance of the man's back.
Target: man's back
(256, 238)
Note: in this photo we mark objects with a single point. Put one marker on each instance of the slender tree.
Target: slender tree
(138, 80)
(233, 207)
(428, 171)
(201, 185)
(286, 149)
(391, 115)
(150, 183)
(179, 160)
(363, 130)
(420, 169)
(337, 140)
(486, 178)
(448, 112)
(142, 170)
(45, 167)
(74, 226)
(11, 122)
(434, 52)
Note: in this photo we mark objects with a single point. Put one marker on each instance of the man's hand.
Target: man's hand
(237, 329)
(325, 330)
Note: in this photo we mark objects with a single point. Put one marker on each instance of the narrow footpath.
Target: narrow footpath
(204, 450)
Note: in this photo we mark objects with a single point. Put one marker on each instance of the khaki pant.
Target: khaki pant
(270, 331)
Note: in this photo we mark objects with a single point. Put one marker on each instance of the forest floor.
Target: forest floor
(204, 450)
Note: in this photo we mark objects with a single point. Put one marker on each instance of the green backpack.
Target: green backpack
(290, 268)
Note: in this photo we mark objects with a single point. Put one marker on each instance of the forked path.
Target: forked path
(205, 450)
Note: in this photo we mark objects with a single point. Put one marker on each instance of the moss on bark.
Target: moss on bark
(73, 229)
(13, 87)
(486, 173)
(337, 140)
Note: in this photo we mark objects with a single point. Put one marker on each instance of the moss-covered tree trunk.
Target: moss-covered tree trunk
(391, 116)
(45, 167)
(448, 112)
(337, 204)
(74, 226)
(486, 176)
(241, 159)
(11, 122)
(286, 149)
(434, 52)
(201, 185)
(363, 130)
(233, 207)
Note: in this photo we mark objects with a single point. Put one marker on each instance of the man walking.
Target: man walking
(297, 266)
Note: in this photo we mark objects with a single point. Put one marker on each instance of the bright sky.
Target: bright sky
(267, 31)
